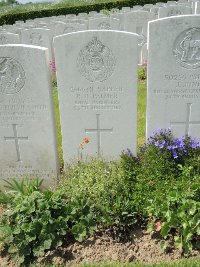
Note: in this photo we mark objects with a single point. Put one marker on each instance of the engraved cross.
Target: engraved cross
(16, 138)
(98, 130)
(187, 122)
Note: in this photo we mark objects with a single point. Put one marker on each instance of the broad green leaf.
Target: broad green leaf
(165, 229)
(79, 232)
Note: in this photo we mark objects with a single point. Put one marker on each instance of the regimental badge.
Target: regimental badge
(96, 61)
(12, 76)
(187, 48)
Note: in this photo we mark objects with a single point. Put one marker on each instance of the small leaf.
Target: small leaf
(178, 242)
(163, 245)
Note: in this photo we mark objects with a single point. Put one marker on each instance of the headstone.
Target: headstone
(147, 7)
(159, 4)
(104, 12)
(193, 5)
(125, 9)
(171, 3)
(197, 8)
(121, 18)
(182, 2)
(137, 7)
(155, 8)
(104, 23)
(27, 132)
(40, 37)
(82, 15)
(93, 13)
(137, 22)
(114, 10)
(9, 38)
(70, 16)
(97, 85)
(169, 11)
(173, 75)
(68, 28)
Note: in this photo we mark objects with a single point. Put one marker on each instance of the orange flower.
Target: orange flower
(86, 140)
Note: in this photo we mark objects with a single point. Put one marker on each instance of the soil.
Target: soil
(109, 246)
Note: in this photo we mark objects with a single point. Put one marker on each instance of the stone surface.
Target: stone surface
(40, 37)
(104, 23)
(174, 10)
(9, 38)
(173, 97)
(27, 132)
(97, 84)
(69, 27)
(137, 22)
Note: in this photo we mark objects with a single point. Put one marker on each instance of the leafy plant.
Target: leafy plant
(107, 188)
(40, 221)
(142, 75)
(177, 215)
(35, 224)
(25, 186)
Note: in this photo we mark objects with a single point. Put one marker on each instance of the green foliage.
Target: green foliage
(24, 186)
(63, 9)
(179, 215)
(107, 186)
(162, 184)
(142, 74)
(40, 221)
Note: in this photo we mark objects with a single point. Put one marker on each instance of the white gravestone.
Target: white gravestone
(125, 9)
(135, 8)
(114, 10)
(173, 97)
(197, 8)
(120, 17)
(97, 84)
(176, 10)
(104, 23)
(69, 27)
(27, 127)
(147, 7)
(9, 38)
(137, 22)
(40, 37)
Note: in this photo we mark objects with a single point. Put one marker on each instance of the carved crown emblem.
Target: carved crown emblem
(95, 46)
(96, 61)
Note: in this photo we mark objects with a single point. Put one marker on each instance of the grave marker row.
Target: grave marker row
(97, 88)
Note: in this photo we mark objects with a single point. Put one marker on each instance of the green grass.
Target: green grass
(141, 112)
(58, 127)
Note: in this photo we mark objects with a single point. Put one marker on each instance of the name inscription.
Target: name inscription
(20, 110)
(96, 98)
(181, 86)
